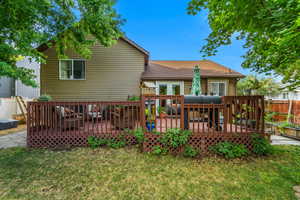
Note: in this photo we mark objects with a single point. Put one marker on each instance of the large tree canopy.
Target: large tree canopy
(271, 29)
(25, 24)
(253, 85)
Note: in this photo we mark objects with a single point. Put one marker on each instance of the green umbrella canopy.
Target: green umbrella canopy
(196, 86)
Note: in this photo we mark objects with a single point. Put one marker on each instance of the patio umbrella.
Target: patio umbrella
(196, 86)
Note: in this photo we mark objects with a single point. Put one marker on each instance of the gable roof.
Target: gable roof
(44, 47)
(183, 70)
(134, 44)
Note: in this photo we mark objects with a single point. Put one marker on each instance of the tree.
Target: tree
(270, 29)
(252, 85)
(25, 24)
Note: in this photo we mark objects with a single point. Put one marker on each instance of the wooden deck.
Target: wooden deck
(70, 123)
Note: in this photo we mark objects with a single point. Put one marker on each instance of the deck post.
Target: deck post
(263, 114)
(142, 102)
(181, 112)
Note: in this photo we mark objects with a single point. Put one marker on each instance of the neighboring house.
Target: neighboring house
(10, 87)
(124, 70)
(286, 95)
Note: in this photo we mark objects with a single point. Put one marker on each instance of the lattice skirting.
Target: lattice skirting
(42, 141)
(200, 142)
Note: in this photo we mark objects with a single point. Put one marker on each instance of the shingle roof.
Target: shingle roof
(44, 46)
(183, 70)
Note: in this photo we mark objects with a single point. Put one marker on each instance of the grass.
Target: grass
(126, 173)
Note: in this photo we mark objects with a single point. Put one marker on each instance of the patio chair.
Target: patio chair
(95, 112)
(68, 119)
(124, 117)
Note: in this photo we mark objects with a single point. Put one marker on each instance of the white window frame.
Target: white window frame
(71, 79)
(169, 86)
(225, 87)
(169, 89)
(285, 95)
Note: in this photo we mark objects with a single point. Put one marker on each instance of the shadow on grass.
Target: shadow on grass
(21, 163)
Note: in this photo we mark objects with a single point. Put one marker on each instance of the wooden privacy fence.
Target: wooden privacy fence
(282, 108)
(52, 124)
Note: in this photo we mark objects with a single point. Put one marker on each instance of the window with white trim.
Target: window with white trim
(72, 69)
(285, 95)
(217, 88)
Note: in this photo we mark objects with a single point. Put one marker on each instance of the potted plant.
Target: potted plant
(44, 98)
(150, 120)
(133, 98)
(162, 112)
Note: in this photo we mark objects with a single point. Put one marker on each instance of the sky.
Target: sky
(164, 28)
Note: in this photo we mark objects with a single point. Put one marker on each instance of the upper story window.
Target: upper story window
(217, 88)
(72, 69)
(285, 95)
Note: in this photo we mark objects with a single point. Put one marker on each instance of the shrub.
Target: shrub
(287, 125)
(261, 146)
(189, 151)
(158, 150)
(133, 98)
(96, 142)
(229, 150)
(269, 116)
(116, 144)
(138, 134)
(45, 98)
(175, 137)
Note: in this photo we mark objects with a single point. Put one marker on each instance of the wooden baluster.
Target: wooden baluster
(182, 112)
(203, 118)
(225, 118)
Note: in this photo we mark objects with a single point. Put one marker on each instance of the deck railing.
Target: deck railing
(60, 123)
(54, 123)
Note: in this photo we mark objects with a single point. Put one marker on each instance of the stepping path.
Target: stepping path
(19, 140)
(13, 140)
(280, 140)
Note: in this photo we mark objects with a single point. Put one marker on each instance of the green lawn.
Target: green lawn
(84, 173)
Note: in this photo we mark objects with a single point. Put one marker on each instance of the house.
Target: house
(10, 87)
(286, 95)
(125, 69)
(175, 77)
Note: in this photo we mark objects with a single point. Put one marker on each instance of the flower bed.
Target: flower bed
(288, 129)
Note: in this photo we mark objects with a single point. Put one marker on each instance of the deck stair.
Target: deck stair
(22, 106)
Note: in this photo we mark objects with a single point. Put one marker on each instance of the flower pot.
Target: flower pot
(150, 126)
(163, 115)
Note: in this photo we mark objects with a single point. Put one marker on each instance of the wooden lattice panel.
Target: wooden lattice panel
(71, 141)
(201, 142)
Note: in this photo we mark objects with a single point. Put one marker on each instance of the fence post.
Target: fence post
(263, 113)
(28, 123)
(181, 112)
(142, 105)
